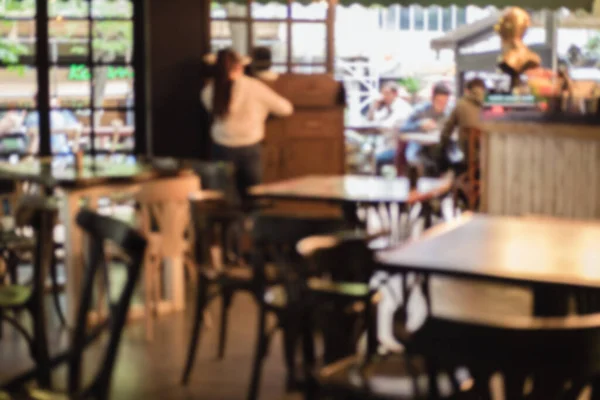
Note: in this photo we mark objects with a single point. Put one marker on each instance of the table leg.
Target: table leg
(351, 217)
(174, 282)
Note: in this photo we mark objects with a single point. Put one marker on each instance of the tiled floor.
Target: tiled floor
(152, 370)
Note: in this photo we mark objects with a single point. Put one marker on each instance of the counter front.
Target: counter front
(535, 165)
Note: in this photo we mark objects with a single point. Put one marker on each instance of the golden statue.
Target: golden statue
(516, 57)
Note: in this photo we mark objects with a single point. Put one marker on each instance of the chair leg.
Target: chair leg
(148, 295)
(308, 359)
(262, 343)
(201, 301)
(290, 341)
(225, 304)
(56, 292)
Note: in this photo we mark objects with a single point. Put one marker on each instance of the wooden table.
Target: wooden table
(539, 252)
(350, 191)
(107, 179)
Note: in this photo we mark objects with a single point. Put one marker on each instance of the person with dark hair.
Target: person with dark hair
(426, 118)
(240, 106)
(466, 114)
(389, 111)
(261, 65)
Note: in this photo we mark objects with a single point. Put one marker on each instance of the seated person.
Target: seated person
(466, 114)
(427, 117)
(390, 111)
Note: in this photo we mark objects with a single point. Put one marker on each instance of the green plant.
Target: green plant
(411, 84)
(592, 47)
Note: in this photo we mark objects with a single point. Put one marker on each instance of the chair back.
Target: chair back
(473, 167)
(164, 203)
(275, 238)
(39, 213)
(100, 230)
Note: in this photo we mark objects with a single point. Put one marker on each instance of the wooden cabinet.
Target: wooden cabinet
(311, 141)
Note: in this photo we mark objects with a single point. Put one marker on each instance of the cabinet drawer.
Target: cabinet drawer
(274, 130)
(315, 124)
(309, 90)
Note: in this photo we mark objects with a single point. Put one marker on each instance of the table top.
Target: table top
(353, 189)
(92, 173)
(511, 249)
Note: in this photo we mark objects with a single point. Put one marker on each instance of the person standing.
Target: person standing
(240, 106)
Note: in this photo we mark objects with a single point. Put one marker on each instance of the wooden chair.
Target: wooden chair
(39, 213)
(348, 260)
(100, 229)
(282, 278)
(468, 184)
(164, 221)
(558, 355)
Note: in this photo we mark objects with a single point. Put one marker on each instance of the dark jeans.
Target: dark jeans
(247, 161)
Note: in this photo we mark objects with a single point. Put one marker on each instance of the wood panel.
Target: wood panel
(311, 156)
(532, 173)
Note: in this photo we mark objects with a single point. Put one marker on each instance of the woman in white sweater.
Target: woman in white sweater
(240, 106)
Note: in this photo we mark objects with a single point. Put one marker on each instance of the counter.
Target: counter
(536, 164)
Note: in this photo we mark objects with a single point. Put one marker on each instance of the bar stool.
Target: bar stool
(164, 221)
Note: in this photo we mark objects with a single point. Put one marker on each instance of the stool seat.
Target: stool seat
(14, 296)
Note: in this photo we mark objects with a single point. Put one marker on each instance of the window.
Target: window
(91, 76)
(447, 24)
(296, 33)
(419, 18)
(392, 11)
(461, 16)
(433, 18)
(404, 18)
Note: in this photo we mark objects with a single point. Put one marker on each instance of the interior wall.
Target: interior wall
(177, 36)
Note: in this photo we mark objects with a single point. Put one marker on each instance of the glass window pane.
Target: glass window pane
(404, 18)
(226, 34)
(68, 41)
(17, 42)
(18, 86)
(433, 18)
(392, 12)
(447, 19)
(66, 128)
(113, 86)
(269, 10)
(419, 18)
(228, 10)
(21, 9)
(70, 86)
(309, 69)
(309, 42)
(70, 9)
(114, 132)
(112, 9)
(313, 11)
(274, 36)
(14, 138)
(280, 69)
(461, 16)
(113, 41)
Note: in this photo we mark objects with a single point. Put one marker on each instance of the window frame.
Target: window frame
(249, 20)
(41, 61)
